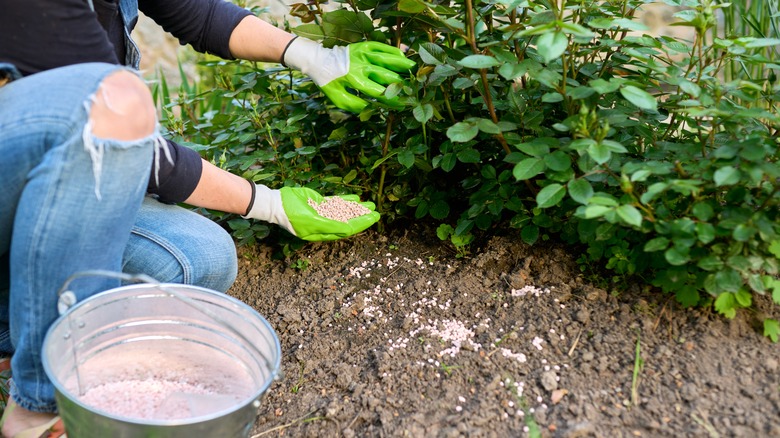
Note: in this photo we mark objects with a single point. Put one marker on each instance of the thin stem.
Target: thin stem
(383, 167)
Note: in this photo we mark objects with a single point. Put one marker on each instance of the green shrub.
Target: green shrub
(558, 119)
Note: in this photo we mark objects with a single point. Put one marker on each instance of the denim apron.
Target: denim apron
(129, 11)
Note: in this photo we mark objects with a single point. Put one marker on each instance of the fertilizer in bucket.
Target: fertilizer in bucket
(160, 360)
(168, 393)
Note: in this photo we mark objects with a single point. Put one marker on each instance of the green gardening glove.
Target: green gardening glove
(367, 67)
(289, 208)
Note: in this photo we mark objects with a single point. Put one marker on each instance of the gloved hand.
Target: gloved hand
(289, 208)
(367, 67)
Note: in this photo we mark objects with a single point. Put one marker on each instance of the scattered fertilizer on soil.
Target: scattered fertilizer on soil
(556, 359)
(338, 209)
(152, 398)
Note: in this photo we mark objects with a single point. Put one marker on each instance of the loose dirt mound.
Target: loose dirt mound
(394, 336)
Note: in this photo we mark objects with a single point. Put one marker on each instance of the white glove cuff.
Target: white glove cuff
(311, 58)
(267, 206)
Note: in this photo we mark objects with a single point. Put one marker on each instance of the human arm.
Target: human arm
(367, 67)
(288, 207)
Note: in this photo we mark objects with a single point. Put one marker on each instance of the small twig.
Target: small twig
(660, 315)
(349, 426)
(706, 425)
(395, 270)
(576, 341)
(638, 364)
(284, 426)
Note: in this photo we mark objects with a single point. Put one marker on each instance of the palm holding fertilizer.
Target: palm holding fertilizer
(307, 214)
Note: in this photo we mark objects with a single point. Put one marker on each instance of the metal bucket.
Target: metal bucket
(168, 331)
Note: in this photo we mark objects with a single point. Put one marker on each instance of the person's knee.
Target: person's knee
(221, 271)
(123, 108)
(209, 260)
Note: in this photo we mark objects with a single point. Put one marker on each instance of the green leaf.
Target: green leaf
(763, 42)
(350, 176)
(595, 211)
(726, 175)
(688, 296)
(239, 224)
(310, 31)
(705, 232)
(710, 263)
(479, 61)
(439, 209)
(774, 248)
(462, 83)
(511, 71)
(728, 280)
(604, 200)
(346, 25)
(423, 113)
(529, 234)
(443, 231)
(599, 152)
(406, 158)
(580, 190)
(774, 284)
(744, 298)
(534, 149)
(411, 6)
(657, 244)
(605, 232)
(581, 92)
(771, 329)
(756, 283)
(614, 146)
(576, 30)
(448, 162)
(432, 54)
(551, 45)
(558, 161)
(528, 168)
(690, 87)
(676, 256)
(653, 191)
(639, 97)
(550, 195)
(488, 126)
(726, 304)
(703, 211)
(603, 86)
(462, 132)
(630, 215)
(468, 155)
(601, 23)
(552, 97)
(743, 233)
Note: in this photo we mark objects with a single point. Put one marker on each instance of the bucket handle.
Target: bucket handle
(67, 299)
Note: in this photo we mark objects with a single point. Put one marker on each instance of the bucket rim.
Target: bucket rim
(274, 374)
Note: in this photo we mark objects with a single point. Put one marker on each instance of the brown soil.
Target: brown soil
(395, 336)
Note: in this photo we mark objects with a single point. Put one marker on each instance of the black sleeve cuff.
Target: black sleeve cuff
(174, 183)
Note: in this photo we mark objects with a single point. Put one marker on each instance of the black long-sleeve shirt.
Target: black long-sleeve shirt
(38, 35)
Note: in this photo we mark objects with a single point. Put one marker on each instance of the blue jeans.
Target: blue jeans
(64, 210)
